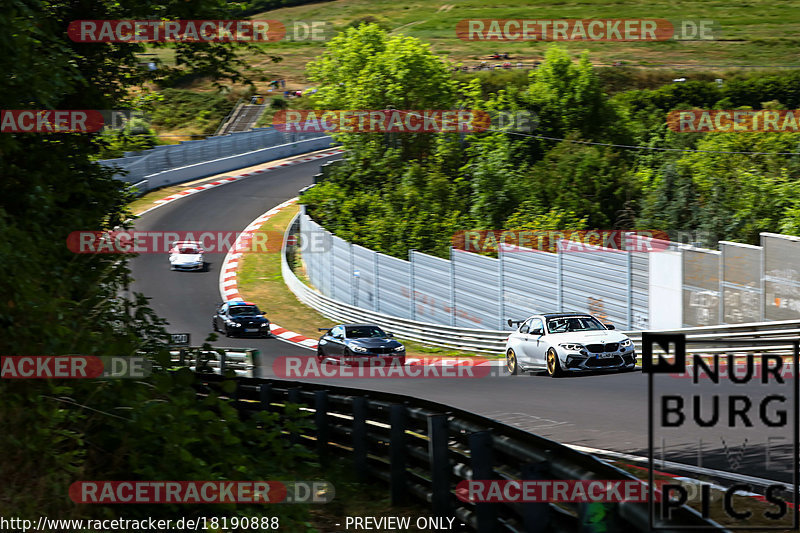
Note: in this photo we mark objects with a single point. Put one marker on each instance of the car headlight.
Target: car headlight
(358, 349)
(626, 343)
(572, 347)
(400, 349)
(236, 324)
(264, 324)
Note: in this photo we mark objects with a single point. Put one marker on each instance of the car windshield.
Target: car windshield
(241, 310)
(574, 323)
(358, 332)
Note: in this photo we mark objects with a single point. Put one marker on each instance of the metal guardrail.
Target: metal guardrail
(493, 341)
(216, 360)
(423, 449)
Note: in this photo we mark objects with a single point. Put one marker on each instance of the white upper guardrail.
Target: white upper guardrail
(493, 341)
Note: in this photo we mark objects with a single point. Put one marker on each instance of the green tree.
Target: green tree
(55, 302)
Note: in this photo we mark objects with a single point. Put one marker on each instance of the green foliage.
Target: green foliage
(180, 108)
(568, 97)
(259, 6)
(137, 135)
(736, 92)
(380, 21)
(393, 198)
(155, 429)
(364, 68)
(56, 302)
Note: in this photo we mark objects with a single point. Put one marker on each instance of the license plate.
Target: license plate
(251, 330)
(605, 355)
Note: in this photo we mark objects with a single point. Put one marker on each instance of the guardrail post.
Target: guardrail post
(294, 397)
(321, 420)
(397, 454)
(237, 394)
(439, 458)
(265, 396)
(222, 362)
(535, 516)
(359, 434)
(481, 462)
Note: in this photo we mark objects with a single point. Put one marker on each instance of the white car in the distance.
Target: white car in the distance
(186, 255)
(567, 342)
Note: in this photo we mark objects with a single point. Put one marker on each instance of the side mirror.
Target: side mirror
(610, 326)
(537, 331)
(390, 334)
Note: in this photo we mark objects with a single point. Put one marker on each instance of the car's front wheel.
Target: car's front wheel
(553, 364)
(228, 332)
(511, 362)
(214, 325)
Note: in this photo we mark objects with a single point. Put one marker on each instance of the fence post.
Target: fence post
(480, 449)
(351, 276)
(321, 420)
(265, 396)
(629, 265)
(501, 289)
(397, 454)
(360, 438)
(332, 256)
(452, 288)
(377, 283)
(535, 516)
(412, 299)
(439, 458)
(294, 397)
(559, 278)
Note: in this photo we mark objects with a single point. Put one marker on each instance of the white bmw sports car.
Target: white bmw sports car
(567, 342)
(186, 255)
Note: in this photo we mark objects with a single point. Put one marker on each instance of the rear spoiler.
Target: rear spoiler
(512, 322)
(324, 329)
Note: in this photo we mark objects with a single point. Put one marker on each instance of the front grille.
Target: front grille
(600, 348)
(381, 350)
(611, 361)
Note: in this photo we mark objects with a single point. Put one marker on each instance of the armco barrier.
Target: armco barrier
(173, 164)
(422, 450)
(215, 360)
(493, 341)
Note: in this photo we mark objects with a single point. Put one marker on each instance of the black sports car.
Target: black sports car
(357, 343)
(240, 319)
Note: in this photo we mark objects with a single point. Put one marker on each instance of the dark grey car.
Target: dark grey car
(359, 343)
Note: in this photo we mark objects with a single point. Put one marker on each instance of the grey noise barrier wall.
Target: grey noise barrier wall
(173, 164)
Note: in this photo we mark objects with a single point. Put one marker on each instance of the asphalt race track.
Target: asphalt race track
(607, 412)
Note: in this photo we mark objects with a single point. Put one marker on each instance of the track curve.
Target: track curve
(607, 412)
